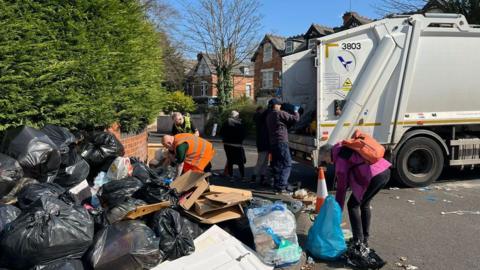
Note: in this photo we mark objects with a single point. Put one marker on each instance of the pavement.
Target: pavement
(435, 228)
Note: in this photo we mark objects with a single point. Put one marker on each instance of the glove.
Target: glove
(296, 108)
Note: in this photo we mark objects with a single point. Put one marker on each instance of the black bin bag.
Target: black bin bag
(34, 150)
(47, 231)
(74, 170)
(175, 232)
(118, 191)
(100, 147)
(10, 173)
(11, 197)
(62, 138)
(155, 193)
(30, 193)
(61, 265)
(125, 245)
(118, 212)
(8, 213)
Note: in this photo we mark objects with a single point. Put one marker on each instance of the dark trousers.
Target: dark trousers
(359, 212)
(281, 164)
(241, 169)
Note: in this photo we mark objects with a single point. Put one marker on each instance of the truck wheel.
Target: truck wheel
(419, 162)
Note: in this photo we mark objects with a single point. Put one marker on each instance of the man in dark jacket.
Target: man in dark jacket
(278, 122)
(263, 146)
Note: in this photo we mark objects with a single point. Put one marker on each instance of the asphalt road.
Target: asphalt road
(409, 222)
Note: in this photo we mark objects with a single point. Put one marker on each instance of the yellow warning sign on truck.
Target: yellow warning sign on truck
(347, 85)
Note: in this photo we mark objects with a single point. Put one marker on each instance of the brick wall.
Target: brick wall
(275, 63)
(240, 86)
(136, 145)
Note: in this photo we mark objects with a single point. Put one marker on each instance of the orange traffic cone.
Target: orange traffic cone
(322, 191)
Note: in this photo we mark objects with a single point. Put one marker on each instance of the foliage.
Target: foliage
(179, 102)
(81, 64)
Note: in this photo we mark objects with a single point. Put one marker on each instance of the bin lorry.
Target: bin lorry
(409, 81)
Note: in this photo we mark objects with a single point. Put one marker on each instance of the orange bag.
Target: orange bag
(366, 146)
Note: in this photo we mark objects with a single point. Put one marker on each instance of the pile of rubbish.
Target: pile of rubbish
(73, 201)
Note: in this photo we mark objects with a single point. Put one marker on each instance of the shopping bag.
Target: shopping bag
(325, 238)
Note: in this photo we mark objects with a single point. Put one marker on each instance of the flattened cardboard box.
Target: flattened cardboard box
(217, 201)
(188, 180)
(189, 199)
(217, 216)
(222, 189)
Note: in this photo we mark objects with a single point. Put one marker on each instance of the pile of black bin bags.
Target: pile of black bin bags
(43, 226)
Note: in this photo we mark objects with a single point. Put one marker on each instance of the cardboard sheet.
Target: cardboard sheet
(222, 189)
(188, 180)
(217, 216)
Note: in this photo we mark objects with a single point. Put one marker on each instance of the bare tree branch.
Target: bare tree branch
(388, 7)
(227, 30)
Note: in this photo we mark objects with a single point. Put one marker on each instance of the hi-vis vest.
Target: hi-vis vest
(200, 151)
(188, 125)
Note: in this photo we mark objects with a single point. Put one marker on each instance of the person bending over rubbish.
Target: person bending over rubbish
(365, 178)
(190, 152)
(183, 124)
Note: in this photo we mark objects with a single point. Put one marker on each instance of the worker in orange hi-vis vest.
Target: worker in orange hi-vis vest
(191, 152)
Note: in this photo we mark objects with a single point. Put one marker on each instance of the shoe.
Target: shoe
(283, 191)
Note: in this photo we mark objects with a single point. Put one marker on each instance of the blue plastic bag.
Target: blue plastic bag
(325, 238)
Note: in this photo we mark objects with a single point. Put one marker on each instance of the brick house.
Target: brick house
(306, 41)
(268, 65)
(352, 19)
(202, 79)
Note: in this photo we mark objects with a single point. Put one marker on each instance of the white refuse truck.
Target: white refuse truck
(413, 82)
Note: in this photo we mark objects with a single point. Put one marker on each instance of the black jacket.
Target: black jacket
(262, 132)
(233, 131)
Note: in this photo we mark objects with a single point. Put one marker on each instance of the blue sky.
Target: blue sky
(292, 17)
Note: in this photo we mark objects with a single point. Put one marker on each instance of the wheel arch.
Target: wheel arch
(419, 133)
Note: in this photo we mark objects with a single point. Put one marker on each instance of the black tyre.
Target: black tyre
(419, 162)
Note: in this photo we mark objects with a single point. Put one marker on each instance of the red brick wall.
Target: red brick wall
(136, 145)
(240, 85)
(275, 63)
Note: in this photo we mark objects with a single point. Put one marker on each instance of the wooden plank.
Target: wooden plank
(147, 209)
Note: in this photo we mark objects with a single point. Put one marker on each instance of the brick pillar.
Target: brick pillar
(136, 145)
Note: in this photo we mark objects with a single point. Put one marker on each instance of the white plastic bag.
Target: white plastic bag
(119, 169)
(274, 231)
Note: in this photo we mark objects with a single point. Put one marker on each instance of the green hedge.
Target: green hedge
(177, 101)
(244, 106)
(78, 63)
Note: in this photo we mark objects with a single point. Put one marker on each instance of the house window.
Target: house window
(246, 71)
(267, 52)
(311, 43)
(267, 79)
(248, 90)
(203, 88)
(289, 46)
